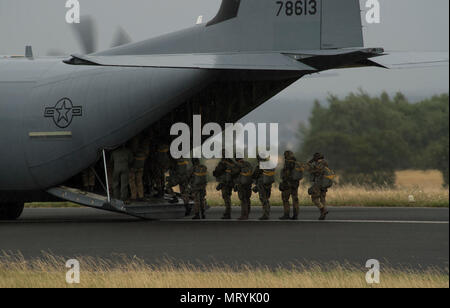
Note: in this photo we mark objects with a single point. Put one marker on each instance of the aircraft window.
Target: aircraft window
(228, 10)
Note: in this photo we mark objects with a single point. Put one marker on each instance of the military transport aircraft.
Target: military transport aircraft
(59, 115)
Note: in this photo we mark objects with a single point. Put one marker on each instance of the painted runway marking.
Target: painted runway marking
(43, 221)
(317, 221)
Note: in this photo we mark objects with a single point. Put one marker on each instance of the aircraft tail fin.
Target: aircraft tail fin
(256, 25)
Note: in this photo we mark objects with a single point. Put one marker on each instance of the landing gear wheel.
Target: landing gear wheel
(11, 211)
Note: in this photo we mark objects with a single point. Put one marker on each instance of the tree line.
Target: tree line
(366, 139)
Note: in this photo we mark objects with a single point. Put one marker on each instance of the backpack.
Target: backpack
(200, 176)
(297, 172)
(245, 177)
(328, 178)
(163, 158)
(268, 177)
(182, 167)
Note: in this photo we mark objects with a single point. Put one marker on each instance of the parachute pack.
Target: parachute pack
(200, 176)
(297, 172)
(328, 178)
(245, 177)
(268, 177)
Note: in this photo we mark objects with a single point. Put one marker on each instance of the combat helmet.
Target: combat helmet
(289, 155)
(318, 156)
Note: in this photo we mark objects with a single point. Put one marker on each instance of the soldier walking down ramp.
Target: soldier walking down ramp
(198, 182)
(264, 179)
(291, 176)
(137, 174)
(225, 173)
(321, 179)
(244, 187)
(179, 176)
(122, 158)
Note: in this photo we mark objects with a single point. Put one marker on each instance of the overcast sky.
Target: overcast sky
(406, 25)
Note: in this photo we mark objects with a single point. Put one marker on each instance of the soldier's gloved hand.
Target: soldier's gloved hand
(255, 189)
(235, 189)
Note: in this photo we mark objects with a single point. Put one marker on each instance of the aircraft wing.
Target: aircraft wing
(229, 61)
(308, 61)
(407, 60)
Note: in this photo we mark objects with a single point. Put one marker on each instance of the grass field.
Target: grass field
(413, 189)
(50, 271)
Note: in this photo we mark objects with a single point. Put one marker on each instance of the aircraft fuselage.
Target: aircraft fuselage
(55, 118)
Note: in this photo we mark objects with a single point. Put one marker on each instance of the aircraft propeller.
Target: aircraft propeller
(86, 35)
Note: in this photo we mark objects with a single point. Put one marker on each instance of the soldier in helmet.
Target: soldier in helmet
(264, 178)
(121, 158)
(244, 186)
(179, 176)
(289, 186)
(318, 168)
(198, 182)
(225, 173)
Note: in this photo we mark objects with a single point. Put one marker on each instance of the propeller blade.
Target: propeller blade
(120, 38)
(86, 33)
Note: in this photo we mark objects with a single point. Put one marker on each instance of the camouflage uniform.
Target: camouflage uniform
(137, 174)
(244, 189)
(289, 186)
(198, 183)
(122, 158)
(224, 173)
(264, 180)
(179, 175)
(161, 166)
(88, 179)
(317, 167)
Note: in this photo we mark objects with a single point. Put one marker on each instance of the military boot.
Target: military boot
(196, 217)
(286, 215)
(244, 212)
(264, 217)
(188, 210)
(203, 215)
(323, 213)
(226, 216)
(295, 216)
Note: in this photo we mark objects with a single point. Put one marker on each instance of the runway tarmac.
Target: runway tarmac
(398, 237)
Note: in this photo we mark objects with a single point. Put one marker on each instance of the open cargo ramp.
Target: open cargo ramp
(152, 209)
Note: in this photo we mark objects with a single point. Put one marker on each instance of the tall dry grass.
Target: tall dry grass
(354, 196)
(425, 188)
(50, 272)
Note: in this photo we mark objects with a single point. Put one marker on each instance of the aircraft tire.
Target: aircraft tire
(11, 211)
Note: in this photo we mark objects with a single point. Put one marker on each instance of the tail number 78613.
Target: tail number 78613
(297, 8)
